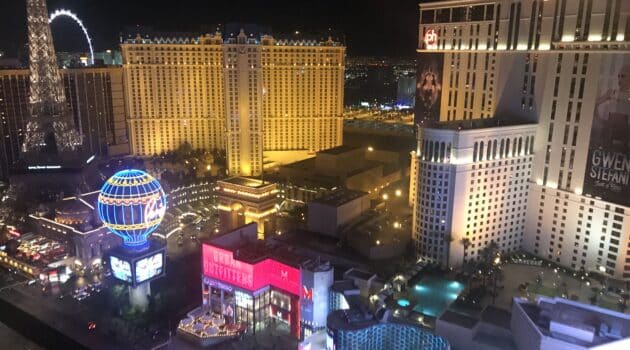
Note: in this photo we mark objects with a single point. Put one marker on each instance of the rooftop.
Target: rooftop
(458, 319)
(474, 124)
(557, 318)
(341, 286)
(246, 181)
(360, 274)
(496, 316)
(316, 265)
(194, 38)
(338, 150)
(339, 197)
(246, 247)
(350, 319)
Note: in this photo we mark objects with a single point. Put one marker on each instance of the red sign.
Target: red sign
(220, 264)
(307, 294)
(430, 37)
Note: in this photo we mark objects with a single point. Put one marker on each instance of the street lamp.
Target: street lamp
(370, 148)
(398, 193)
(385, 196)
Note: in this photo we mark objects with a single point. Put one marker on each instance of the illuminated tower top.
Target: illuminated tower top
(46, 88)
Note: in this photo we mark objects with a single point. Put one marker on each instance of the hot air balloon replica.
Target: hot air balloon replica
(131, 205)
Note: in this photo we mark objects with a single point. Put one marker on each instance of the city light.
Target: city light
(385, 196)
(75, 18)
(398, 193)
(132, 204)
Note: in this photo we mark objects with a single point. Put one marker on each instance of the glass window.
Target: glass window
(477, 13)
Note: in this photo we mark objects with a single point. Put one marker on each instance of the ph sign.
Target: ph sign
(430, 39)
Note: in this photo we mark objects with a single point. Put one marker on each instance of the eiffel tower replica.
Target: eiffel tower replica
(52, 158)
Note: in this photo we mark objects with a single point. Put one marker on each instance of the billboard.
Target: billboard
(136, 268)
(220, 264)
(149, 267)
(607, 173)
(429, 73)
(121, 269)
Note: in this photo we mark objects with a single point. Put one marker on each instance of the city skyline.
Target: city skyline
(256, 184)
(376, 28)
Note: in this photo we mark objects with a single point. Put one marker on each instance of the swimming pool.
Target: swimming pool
(432, 295)
(403, 302)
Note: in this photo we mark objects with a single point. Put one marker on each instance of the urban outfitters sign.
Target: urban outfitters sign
(608, 165)
(220, 264)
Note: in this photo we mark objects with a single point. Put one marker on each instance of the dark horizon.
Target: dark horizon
(385, 28)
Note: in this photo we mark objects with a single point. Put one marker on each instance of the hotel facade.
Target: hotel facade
(95, 99)
(562, 64)
(243, 94)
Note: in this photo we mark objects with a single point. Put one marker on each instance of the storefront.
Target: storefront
(260, 292)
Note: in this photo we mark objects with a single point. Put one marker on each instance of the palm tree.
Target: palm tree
(466, 243)
(489, 253)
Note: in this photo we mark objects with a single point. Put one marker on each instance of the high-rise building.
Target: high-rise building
(94, 97)
(243, 94)
(562, 64)
(471, 189)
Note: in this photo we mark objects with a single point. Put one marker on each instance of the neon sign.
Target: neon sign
(307, 293)
(154, 209)
(430, 38)
(220, 264)
(132, 204)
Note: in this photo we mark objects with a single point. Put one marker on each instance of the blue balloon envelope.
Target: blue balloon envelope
(131, 205)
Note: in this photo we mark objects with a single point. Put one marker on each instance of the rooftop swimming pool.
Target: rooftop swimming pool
(432, 295)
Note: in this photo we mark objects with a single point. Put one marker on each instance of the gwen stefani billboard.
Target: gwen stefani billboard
(428, 86)
(608, 164)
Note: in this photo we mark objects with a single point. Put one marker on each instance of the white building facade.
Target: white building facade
(471, 189)
(565, 65)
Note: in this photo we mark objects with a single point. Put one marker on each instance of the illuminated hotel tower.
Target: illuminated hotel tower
(254, 97)
(565, 65)
(50, 132)
(243, 105)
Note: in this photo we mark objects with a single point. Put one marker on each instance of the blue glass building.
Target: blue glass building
(352, 329)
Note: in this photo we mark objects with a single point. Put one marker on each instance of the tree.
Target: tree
(184, 150)
(489, 253)
(466, 243)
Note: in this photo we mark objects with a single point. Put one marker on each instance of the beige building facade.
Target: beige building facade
(243, 94)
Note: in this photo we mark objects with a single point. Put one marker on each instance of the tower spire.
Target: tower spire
(46, 88)
(50, 128)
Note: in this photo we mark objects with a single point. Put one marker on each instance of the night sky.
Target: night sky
(371, 27)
